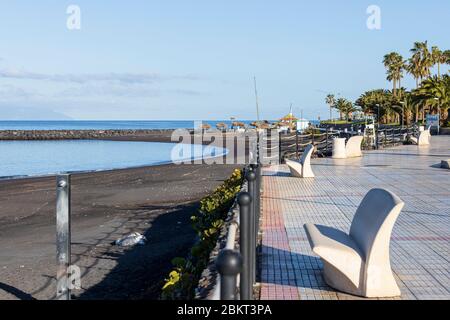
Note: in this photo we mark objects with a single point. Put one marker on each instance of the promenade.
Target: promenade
(420, 244)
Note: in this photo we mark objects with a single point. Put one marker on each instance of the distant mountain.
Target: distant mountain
(34, 113)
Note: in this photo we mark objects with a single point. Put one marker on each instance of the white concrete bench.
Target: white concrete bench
(302, 168)
(424, 138)
(353, 147)
(339, 151)
(358, 263)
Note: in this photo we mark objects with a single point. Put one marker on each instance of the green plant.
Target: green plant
(207, 222)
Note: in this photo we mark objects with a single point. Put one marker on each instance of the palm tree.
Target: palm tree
(346, 107)
(446, 55)
(423, 57)
(331, 101)
(395, 65)
(433, 93)
(413, 68)
(419, 65)
(380, 103)
(438, 58)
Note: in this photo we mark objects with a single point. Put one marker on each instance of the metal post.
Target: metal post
(385, 138)
(251, 179)
(257, 214)
(280, 155)
(296, 144)
(245, 201)
(63, 236)
(376, 137)
(258, 196)
(229, 264)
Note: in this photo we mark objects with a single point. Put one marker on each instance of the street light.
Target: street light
(378, 117)
(378, 126)
(403, 103)
(439, 116)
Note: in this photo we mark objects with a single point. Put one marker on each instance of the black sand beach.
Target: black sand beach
(156, 201)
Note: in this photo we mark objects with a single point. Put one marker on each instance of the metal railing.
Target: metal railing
(389, 136)
(231, 264)
(292, 145)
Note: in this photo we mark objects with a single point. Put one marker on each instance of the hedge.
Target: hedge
(207, 222)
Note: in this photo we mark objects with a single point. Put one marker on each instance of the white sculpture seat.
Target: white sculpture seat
(302, 168)
(339, 151)
(358, 263)
(353, 147)
(424, 138)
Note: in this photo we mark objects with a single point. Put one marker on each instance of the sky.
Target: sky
(188, 60)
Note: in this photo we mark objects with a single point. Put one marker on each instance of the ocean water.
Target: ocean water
(102, 125)
(39, 158)
(106, 124)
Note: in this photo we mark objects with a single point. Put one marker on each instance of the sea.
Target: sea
(41, 158)
(106, 124)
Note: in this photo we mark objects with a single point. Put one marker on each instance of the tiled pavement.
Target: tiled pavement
(420, 245)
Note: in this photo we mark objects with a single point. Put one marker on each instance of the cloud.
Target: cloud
(130, 78)
(10, 92)
(117, 90)
(121, 90)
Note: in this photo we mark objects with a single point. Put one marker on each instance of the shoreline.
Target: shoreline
(156, 135)
(156, 201)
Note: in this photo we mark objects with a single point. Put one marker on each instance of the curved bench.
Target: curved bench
(358, 263)
(353, 147)
(339, 150)
(424, 138)
(302, 168)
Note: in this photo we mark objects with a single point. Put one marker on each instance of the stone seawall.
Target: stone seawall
(76, 134)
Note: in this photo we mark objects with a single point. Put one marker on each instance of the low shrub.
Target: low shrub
(207, 222)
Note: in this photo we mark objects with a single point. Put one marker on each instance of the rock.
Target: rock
(445, 164)
(132, 239)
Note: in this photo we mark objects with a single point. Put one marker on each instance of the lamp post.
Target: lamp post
(403, 103)
(439, 116)
(378, 116)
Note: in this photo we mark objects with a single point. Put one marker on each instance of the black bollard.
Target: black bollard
(229, 264)
(251, 179)
(245, 201)
(257, 213)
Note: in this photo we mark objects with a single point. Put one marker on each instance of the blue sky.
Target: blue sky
(196, 59)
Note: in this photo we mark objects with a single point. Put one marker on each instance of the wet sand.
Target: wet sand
(156, 201)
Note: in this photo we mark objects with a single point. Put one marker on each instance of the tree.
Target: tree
(380, 103)
(331, 101)
(433, 93)
(446, 55)
(419, 65)
(438, 58)
(395, 66)
(413, 68)
(422, 56)
(346, 107)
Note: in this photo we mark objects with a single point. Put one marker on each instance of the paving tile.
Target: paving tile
(420, 245)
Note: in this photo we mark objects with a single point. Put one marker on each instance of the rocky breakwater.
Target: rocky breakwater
(77, 134)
